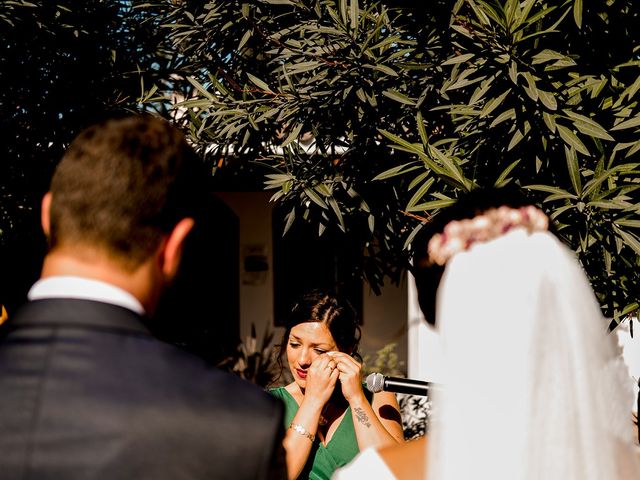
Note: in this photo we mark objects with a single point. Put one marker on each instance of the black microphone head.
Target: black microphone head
(375, 382)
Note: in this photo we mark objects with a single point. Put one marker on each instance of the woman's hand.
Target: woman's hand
(322, 376)
(350, 376)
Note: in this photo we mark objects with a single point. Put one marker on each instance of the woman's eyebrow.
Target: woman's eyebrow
(293, 337)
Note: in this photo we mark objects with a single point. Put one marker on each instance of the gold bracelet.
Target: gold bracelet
(296, 427)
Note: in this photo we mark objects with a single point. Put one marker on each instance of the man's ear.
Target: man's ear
(172, 251)
(45, 213)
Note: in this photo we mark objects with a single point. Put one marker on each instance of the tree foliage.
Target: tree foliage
(371, 116)
(63, 66)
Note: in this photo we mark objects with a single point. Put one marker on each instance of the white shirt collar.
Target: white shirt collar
(84, 289)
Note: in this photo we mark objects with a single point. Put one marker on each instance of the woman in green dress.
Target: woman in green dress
(328, 415)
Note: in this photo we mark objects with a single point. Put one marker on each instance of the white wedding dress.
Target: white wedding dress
(535, 386)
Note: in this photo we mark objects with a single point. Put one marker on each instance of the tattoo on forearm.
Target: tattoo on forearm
(362, 417)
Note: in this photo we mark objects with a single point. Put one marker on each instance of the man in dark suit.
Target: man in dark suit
(86, 391)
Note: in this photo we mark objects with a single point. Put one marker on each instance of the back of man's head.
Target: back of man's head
(121, 186)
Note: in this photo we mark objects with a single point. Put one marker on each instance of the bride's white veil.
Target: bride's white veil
(535, 387)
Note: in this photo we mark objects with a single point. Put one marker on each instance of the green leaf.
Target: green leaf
(315, 198)
(633, 88)
(302, 67)
(336, 210)
(398, 97)
(421, 130)
(259, 83)
(628, 223)
(392, 172)
(245, 38)
(415, 149)
(572, 139)
(595, 131)
(417, 180)
(481, 91)
(289, 219)
(459, 59)
(574, 169)
(594, 183)
(531, 90)
(343, 11)
(201, 88)
(427, 206)
(450, 167)
(515, 139)
(577, 12)
(371, 221)
(546, 55)
(632, 122)
(550, 121)
(512, 13)
(629, 239)
(412, 235)
(632, 307)
(479, 9)
(503, 176)
(462, 82)
(421, 192)
(633, 149)
(508, 115)
(548, 99)
(611, 205)
(398, 140)
(293, 135)
(354, 13)
(384, 69)
(551, 189)
(513, 72)
(587, 124)
(323, 189)
(493, 104)
(559, 211)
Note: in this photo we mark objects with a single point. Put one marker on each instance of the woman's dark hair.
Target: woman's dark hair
(332, 310)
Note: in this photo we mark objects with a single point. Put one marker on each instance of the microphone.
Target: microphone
(376, 382)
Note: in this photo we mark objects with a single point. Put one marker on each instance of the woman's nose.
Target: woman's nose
(305, 358)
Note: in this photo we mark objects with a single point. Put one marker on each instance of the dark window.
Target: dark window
(303, 261)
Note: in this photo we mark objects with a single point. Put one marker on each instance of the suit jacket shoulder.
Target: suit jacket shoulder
(89, 393)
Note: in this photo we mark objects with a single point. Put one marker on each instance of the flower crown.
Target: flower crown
(460, 235)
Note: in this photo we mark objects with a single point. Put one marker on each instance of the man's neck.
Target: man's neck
(139, 282)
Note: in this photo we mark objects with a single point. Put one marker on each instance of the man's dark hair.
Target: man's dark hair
(121, 185)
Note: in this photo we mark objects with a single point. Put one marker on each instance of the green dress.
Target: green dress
(323, 460)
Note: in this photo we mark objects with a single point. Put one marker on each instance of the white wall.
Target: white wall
(254, 214)
(424, 349)
(385, 316)
(385, 320)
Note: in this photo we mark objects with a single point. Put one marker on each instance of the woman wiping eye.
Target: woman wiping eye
(329, 416)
